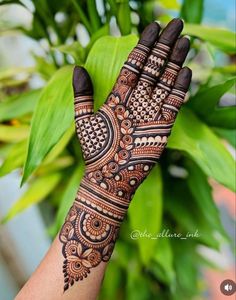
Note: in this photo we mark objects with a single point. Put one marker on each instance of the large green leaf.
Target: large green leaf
(3, 2)
(104, 30)
(181, 205)
(104, 62)
(186, 267)
(163, 257)
(137, 286)
(223, 117)
(124, 17)
(75, 50)
(203, 146)
(52, 117)
(19, 105)
(61, 145)
(202, 193)
(37, 191)
(67, 199)
(227, 134)
(170, 4)
(13, 133)
(15, 158)
(110, 287)
(221, 38)
(192, 11)
(147, 205)
(205, 103)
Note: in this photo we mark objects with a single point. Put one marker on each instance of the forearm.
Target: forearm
(74, 255)
(47, 281)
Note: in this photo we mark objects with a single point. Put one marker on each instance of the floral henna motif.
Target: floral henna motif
(121, 142)
(87, 240)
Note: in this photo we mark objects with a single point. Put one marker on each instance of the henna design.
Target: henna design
(121, 142)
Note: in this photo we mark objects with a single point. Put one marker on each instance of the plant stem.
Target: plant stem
(82, 16)
(93, 15)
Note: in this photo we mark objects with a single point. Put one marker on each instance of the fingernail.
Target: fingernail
(187, 37)
(187, 96)
(150, 34)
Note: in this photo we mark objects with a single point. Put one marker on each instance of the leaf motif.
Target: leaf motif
(105, 250)
(71, 233)
(87, 252)
(86, 263)
(123, 130)
(79, 249)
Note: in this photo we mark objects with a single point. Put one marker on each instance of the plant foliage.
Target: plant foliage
(37, 136)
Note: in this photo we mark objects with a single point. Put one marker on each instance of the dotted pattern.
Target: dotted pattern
(93, 134)
(142, 108)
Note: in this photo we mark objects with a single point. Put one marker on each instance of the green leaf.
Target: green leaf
(221, 38)
(93, 15)
(58, 164)
(52, 117)
(105, 71)
(193, 137)
(181, 205)
(170, 4)
(3, 2)
(19, 105)
(165, 262)
(13, 133)
(202, 193)
(15, 158)
(186, 264)
(192, 11)
(209, 97)
(8, 73)
(67, 199)
(60, 146)
(45, 68)
(110, 287)
(137, 287)
(124, 250)
(224, 117)
(104, 30)
(147, 205)
(227, 134)
(123, 17)
(75, 50)
(37, 191)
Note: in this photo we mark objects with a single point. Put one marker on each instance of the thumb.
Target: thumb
(83, 93)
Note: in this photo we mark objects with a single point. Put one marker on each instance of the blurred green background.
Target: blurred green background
(37, 131)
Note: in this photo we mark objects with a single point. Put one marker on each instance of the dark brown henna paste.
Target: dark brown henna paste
(121, 142)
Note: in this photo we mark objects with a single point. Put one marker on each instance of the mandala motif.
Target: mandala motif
(91, 242)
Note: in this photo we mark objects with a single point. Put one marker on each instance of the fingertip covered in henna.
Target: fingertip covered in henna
(183, 79)
(150, 34)
(180, 51)
(171, 32)
(82, 84)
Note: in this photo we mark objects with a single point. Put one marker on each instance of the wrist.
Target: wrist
(94, 198)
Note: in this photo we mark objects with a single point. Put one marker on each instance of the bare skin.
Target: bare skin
(141, 111)
(47, 281)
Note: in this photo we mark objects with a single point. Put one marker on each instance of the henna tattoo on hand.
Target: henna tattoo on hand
(121, 142)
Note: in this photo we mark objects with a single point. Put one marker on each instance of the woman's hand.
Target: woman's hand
(121, 142)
